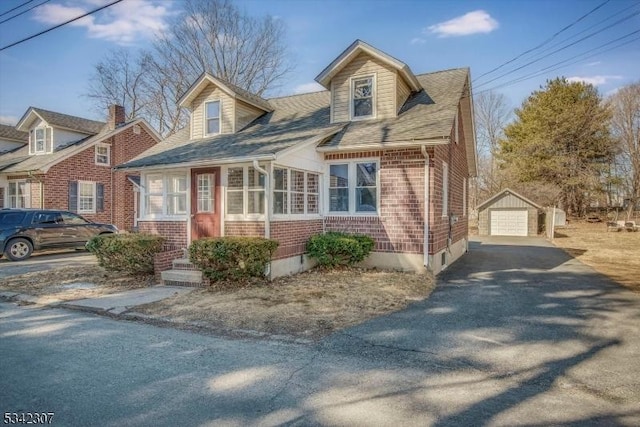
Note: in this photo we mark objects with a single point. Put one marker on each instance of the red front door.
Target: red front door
(205, 203)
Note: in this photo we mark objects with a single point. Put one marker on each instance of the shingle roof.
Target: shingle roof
(19, 160)
(295, 119)
(298, 118)
(69, 122)
(10, 132)
(427, 114)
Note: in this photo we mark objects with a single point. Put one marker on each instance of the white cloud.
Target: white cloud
(474, 22)
(593, 64)
(417, 40)
(122, 23)
(307, 87)
(8, 120)
(594, 80)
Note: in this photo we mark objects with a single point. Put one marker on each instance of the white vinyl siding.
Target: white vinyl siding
(402, 93)
(384, 88)
(245, 114)
(211, 93)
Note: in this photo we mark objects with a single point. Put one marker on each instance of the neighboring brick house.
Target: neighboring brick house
(382, 152)
(67, 163)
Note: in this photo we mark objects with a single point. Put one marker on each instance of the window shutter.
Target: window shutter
(48, 143)
(99, 197)
(73, 196)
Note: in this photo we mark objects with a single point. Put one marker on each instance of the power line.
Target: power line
(59, 25)
(17, 7)
(24, 11)
(560, 49)
(544, 42)
(558, 65)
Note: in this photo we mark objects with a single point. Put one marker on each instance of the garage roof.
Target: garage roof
(507, 191)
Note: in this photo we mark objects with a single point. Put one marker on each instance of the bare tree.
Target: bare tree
(120, 79)
(211, 36)
(625, 127)
(492, 112)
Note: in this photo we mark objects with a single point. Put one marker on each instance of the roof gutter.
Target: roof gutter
(199, 163)
(413, 143)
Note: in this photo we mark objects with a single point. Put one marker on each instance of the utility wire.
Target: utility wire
(559, 66)
(17, 7)
(544, 42)
(59, 25)
(560, 49)
(24, 11)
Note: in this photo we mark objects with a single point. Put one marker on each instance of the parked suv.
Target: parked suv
(23, 230)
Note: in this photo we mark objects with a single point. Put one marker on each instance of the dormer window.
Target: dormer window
(362, 100)
(40, 140)
(212, 117)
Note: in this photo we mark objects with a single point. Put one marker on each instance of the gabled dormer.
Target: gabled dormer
(366, 83)
(49, 130)
(219, 107)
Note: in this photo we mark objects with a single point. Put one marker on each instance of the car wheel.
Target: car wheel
(18, 249)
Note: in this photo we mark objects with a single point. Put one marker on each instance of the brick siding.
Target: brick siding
(293, 236)
(163, 261)
(244, 228)
(174, 231)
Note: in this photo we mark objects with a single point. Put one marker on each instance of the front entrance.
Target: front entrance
(205, 203)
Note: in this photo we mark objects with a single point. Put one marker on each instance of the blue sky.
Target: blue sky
(52, 71)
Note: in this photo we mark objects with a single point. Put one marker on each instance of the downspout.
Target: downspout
(425, 250)
(267, 218)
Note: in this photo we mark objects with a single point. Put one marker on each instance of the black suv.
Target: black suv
(23, 230)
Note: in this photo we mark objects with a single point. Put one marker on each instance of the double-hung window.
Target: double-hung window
(353, 187)
(166, 195)
(212, 117)
(103, 154)
(18, 194)
(295, 192)
(245, 192)
(362, 101)
(86, 197)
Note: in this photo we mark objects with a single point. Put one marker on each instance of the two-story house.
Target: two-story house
(382, 151)
(67, 163)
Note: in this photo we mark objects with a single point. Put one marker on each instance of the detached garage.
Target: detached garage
(508, 214)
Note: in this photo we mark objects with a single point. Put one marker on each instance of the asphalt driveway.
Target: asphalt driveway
(523, 310)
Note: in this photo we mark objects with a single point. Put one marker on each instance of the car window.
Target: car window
(11, 218)
(69, 218)
(47, 218)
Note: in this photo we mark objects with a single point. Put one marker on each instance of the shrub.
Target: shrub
(132, 253)
(232, 258)
(333, 249)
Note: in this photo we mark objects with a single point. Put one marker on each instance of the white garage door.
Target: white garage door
(509, 223)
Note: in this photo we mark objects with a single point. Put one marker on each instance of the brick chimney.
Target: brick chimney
(116, 116)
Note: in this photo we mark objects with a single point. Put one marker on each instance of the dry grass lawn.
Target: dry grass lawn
(310, 305)
(72, 283)
(616, 254)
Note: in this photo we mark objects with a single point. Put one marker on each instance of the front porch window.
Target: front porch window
(165, 194)
(245, 192)
(18, 194)
(295, 192)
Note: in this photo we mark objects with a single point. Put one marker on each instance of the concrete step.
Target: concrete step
(182, 277)
(183, 264)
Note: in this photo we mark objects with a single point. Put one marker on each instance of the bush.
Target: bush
(333, 249)
(232, 258)
(132, 253)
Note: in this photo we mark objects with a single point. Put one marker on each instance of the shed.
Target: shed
(508, 213)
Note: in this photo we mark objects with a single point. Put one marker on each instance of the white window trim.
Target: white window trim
(206, 119)
(108, 147)
(33, 145)
(289, 215)
(27, 197)
(245, 216)
(93, 196)
(445, 189)
(144, 215)
(351, 187)
(374, 92)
